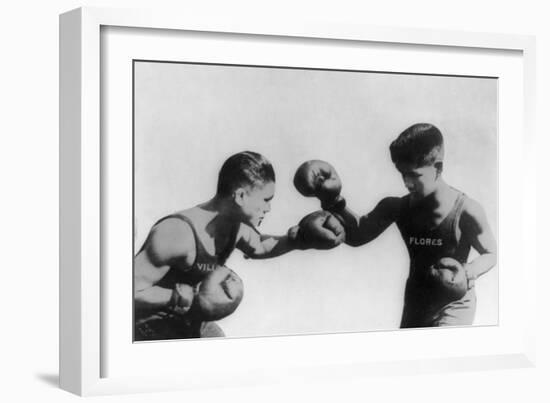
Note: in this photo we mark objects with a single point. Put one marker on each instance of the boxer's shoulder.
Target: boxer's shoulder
(472, 207)
(246, 233)
(392, 203)
(391, 207)
(171, 239)
(472, 215)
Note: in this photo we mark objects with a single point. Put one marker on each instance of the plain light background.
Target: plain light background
(190, 118)
(29, 165)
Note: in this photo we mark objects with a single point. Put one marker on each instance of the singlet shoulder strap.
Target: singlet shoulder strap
(199, 247)
(457, 212)
(201, 251)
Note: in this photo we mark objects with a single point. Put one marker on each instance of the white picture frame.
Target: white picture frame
(83, 347)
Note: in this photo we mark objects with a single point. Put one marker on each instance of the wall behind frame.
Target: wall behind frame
(29, 29)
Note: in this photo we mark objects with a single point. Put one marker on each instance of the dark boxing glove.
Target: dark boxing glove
(448, 277)
(218, 295)
(319, 179)
(318, 230)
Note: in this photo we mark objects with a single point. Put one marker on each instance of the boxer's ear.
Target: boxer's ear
(439, 167)
(239, 196)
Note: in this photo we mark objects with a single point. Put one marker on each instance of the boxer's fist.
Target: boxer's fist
(218, 295)
(449, 279)
(319, 179)
(318, 230)
(182, 298)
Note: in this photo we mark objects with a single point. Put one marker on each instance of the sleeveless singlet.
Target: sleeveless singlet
(427, 245)
(165, 325)
(205, 262)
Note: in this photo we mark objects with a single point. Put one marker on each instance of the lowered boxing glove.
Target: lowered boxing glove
(318, 230)
(448, 277)
(319, 179)
(218, 295)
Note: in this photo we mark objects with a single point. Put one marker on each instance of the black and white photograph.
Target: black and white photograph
(274, 201)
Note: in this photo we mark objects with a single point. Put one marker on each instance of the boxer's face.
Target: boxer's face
(255, 202)
(419, 181)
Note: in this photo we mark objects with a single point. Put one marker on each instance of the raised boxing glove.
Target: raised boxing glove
(319, 179)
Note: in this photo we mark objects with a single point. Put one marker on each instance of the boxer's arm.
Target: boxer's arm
(473, 224)
(260, 246)
(146, 294)
(363, 229)
(168, 243)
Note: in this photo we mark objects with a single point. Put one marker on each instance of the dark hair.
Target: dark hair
(244, 168)
(421, 144)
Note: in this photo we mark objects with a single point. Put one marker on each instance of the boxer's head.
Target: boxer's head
(248, 179)
(418, 155)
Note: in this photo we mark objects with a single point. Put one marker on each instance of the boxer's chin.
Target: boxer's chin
(416, 196)
(256, 222)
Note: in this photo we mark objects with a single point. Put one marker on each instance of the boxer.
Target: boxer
(439, 224)
(181, 284)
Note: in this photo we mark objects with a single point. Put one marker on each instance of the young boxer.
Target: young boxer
(438, 223)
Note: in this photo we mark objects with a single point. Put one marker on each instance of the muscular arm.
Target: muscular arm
(168, 243)
(474, 225)
(258, 246)
(361, 230)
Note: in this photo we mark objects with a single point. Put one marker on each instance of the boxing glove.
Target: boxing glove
(319, 179)
(448, 277)
(218, 295)
(318, 230)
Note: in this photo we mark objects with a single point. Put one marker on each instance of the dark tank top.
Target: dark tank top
(205, 262)
(164, 324)
(427, 245)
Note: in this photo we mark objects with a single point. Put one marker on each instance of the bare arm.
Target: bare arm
(168, 243)
(361, 230)
(474, 225)
(259, 246)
